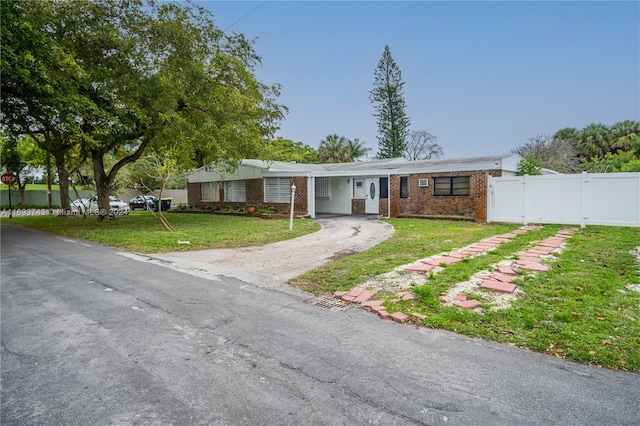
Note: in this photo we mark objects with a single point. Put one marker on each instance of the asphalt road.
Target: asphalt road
(92, 337)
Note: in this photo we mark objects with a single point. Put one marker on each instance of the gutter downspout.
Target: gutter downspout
(388, 196)
(311, 195)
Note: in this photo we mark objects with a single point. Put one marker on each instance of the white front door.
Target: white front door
(372, 189)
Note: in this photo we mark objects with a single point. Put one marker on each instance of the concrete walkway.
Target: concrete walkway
(272, 265)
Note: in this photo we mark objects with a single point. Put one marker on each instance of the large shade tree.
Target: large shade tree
(388, 101)
(146, 75)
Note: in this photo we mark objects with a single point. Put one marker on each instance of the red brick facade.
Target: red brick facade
(254, 197)
(419, 200)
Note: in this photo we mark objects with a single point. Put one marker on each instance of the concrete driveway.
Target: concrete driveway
(272, 265)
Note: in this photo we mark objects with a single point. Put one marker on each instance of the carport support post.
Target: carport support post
(293, 196)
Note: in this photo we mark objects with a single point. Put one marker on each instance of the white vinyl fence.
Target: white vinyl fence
(581, 199)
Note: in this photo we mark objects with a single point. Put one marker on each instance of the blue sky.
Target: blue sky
(484, 77)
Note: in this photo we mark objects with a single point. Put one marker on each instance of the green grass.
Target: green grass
(581, 309)
(34, 187)
(140, 232)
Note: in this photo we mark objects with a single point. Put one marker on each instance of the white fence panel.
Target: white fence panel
(594, 199)
(506, 200)
(613, 199)
(552, 199)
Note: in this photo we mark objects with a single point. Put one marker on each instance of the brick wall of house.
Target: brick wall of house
(254, 196)
(394, 195)
(481, 191)
(422, 201)
(384, 206)
(255, 192)
(193, 193)
(300, 203)
(357, 206)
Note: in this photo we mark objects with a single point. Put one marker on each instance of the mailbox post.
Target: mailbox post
(293, 196)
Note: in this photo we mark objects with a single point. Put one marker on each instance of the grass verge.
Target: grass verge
(584, 308)
(140, 232)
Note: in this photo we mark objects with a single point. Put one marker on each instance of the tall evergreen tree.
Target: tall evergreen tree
(388, 100)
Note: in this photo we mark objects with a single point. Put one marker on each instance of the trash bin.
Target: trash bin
(155, 204)
(165, 203)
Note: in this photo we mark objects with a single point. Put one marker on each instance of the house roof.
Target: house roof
(250, 168)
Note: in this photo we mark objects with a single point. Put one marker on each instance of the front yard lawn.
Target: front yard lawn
(140, 232)
(585, 308)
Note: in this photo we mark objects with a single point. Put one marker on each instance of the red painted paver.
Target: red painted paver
(498, 286)
(365, 295)
(504, 278)
(354, 292)
(553, 244)
(378, 308)
(486, 246)
(476, 250)
(371, 303)
(383, 314)
(408, 296)
(339, 294)
(419, 316)
(541, 250)
(399, 317)
(466, 304)
(507, 270)
(528, 257)
(439, 260)
(420, 267)
(532, 266)
(460, 296)
(457, 255)
(348, 298)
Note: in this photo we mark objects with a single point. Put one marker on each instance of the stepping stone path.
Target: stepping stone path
(427, 265)
(530, 260)
(362, 297)
(499, 281)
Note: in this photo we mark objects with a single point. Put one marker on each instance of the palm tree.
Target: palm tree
(356, 149)
(623, 134)
(593, 141)
(333, 149)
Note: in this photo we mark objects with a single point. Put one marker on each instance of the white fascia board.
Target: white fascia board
(243, 172)
(448, 168)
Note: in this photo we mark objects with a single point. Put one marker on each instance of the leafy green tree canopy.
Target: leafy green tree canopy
(281, 149)
(145, 75)
(528, 166)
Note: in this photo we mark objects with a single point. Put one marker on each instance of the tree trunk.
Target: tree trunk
(21, 187)
(63, 182)
(103, 186)
(49, 197)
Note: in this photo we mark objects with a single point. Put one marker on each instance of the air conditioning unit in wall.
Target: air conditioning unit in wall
(423, 182)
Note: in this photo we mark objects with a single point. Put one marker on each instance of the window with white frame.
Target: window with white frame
(323, 188)
(235, 191)
(277, 190)
(209, 191)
